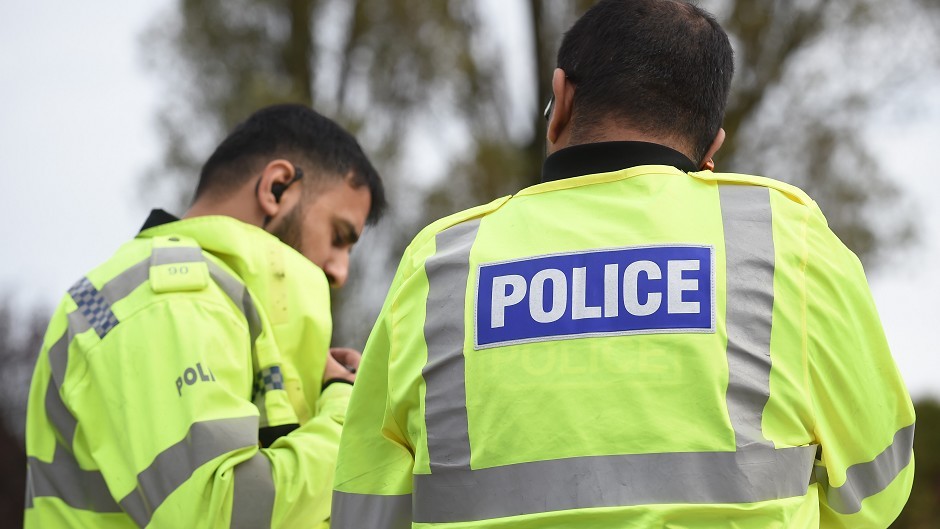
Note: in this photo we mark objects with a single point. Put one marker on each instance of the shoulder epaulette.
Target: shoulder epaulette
(177, 265)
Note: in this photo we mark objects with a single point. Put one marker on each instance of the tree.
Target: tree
(809, 76)
(425, 85)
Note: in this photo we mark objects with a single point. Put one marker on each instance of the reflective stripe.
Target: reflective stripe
(65, 480)
(361, 511)
(30, 488)
(59, 357)
(253, 501)
(749, 261)
(867, 479)
(238, 293)
(77, 325)
(446, 397)
(610, 481)
(126, 282)
(204, 442)
(174, 255)
(59, 415)
(56, 411)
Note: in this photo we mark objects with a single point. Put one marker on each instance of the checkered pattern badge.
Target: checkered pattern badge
(93, 306)
(270, 378)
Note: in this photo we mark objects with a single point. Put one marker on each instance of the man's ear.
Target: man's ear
(708, 161)
(560, 119)
(271, 186)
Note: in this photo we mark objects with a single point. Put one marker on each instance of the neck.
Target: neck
(613, 133)
(231, 207)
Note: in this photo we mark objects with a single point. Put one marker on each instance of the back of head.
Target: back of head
(659, 67)
(296, 133)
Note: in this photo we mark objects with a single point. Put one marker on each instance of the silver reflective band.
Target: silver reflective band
(446, 398)
(61, 418)
(253, 501)
(126, 282)
(611, 481)
(171, 468)
(175, 255)
(749, 265)
(867, 479)
(366, 511)
(238, 293)
(65, 480)
(241, 298)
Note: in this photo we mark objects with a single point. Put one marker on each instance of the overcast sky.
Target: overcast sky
(77, 131)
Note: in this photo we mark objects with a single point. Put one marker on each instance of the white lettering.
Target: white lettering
(630, 298)
(611, 295)
(678, 285)
(501, 299)
(579, 308)
(559, 295)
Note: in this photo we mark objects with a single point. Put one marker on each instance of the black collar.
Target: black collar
(605, 157)
(158, 217)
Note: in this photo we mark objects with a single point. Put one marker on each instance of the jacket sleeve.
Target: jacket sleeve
(864, 416)
(374, 472)
(164, 408)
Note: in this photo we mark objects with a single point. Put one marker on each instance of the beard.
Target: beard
(290, 230)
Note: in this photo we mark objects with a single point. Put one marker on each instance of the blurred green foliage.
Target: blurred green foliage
(426, 87)
(923, 508)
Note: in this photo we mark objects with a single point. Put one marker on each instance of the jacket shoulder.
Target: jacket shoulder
(790, 191)
(431, 231)
(422, 246)
(143, 271)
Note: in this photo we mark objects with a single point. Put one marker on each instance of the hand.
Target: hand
(342, 363)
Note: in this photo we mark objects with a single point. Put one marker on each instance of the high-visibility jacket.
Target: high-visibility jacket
(162, 369)
(642, 345)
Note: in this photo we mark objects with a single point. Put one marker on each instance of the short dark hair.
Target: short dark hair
(297, 133)
(658, 66)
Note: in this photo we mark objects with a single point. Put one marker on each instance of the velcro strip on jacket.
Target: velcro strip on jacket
(177, 265)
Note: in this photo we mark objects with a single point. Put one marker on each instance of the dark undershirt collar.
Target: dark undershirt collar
(605, 157)
(158, 217)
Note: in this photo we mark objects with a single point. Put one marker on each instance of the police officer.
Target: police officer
(637, 341)
(187, 381)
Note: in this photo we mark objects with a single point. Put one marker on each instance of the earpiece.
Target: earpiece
(277, 188)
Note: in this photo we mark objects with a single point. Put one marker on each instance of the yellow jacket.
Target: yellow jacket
(638, 347)
(163, 368)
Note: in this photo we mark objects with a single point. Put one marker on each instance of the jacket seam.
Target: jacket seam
(804, 335)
